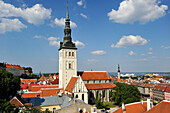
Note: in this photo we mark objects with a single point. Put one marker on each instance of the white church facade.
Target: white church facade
(85, 86)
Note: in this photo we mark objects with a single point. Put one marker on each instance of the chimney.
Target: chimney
(123, 108)
(149, 104)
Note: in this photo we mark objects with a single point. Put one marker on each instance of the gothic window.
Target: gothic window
(72, 53)
(83, 97)
(69, 65)
(66, 54)
(69, 53)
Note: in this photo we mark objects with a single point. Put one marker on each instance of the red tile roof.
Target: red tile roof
(23, 86)
(95, 76)
(167, 89)
(163, 107)
(16, 102)
(137, 107)
(160, 88)
(118, 79)
(100, 86)
(16, 66)
(26, 81)
(30, 95)
(42, 78)
(71, 84)
(37, 88)
(45, 92)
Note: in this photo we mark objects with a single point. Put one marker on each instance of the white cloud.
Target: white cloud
(131, 53)
(143, 54)
(150, 49)
(143, 11)
(34, 15)
(152, 57)
(165, 47)
(130, 40)
(8, 25)
(150, 53)
(61, 22)
(99, 52)
(38, 36)
(80, 3)
(92, 60)
(53, 41)
(142, 60)
(83, 15)
(80, 44)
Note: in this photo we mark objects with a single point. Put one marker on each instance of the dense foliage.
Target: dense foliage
(28, 68)
(33, 76)
(125, 93)
(9, 85)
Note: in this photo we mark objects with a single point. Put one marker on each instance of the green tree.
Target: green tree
(125, 93)
(6, 107)
(9, 85)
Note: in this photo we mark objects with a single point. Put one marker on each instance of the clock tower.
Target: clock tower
(67, 56)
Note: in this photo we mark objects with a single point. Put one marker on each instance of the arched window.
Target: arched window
(76, 96)
(66, 54)
(83, 97)
(69, 65)
(72, 53)
(69, 53)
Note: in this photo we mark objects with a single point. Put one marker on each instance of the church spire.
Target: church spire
(67, 42)
(118, 68)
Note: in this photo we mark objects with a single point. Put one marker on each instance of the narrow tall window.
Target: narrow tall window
(66, 54)
(72, 53)
(69, 53)
(69, 65)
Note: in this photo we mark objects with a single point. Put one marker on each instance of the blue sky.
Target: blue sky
(132, 33)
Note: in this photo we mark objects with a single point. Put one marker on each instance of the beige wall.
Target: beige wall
(43, 108)
(74, 108)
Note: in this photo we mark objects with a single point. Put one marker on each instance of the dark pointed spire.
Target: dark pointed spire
(67, 43)
(118, 68)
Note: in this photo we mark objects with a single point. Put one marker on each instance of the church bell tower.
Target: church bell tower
(67, 56)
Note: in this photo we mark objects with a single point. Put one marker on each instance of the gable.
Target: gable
(79, 86)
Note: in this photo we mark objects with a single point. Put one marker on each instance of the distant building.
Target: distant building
(158, 93)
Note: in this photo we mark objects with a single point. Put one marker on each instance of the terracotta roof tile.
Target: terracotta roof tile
(95, 76)
(100, 86)
(45, 92)
(16, 66)
(71, 84)
(29, 95)
(163, 107)
(38, 87)
(26, 81)
(16, 101)
(133, 108)
(167, 89)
